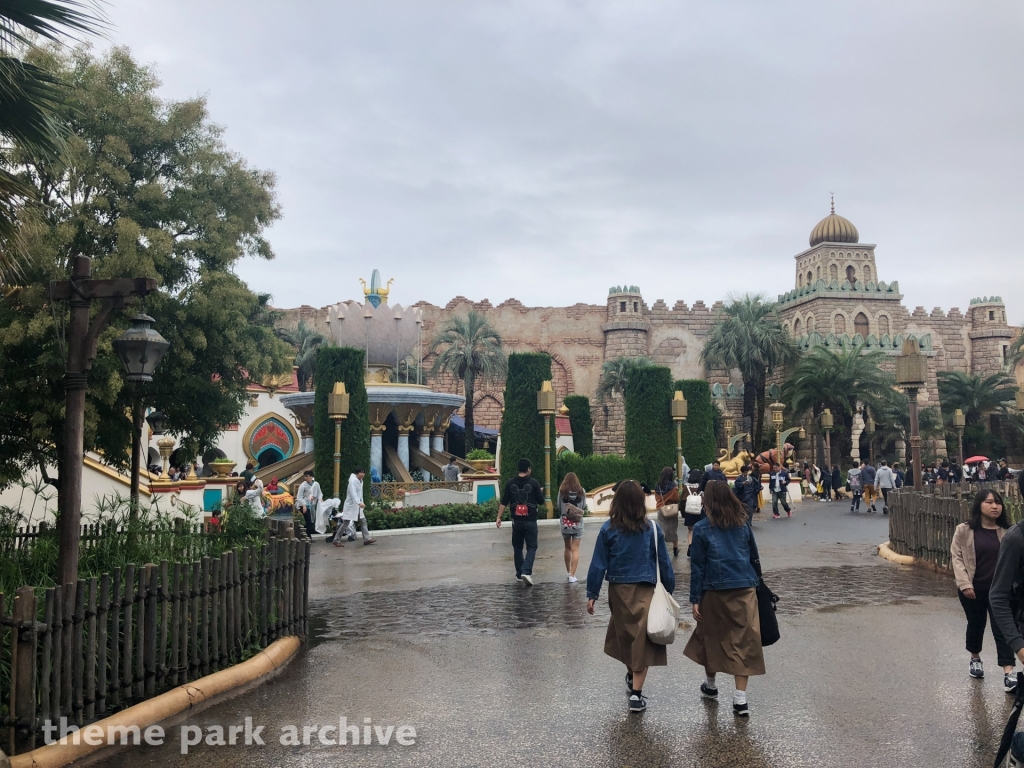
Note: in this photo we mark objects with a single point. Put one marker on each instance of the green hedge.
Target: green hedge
(440, 514)
(699, 427)
(581, 424)
(522, 428)
(595, 471)
(650, 434)
(345, 364)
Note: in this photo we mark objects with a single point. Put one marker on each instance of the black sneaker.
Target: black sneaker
(629, 682)
(740, 710)
(977, 669)
(637, 702)
(711, 693)
(1010, 682)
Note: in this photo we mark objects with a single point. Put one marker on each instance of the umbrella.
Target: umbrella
(1011, 725)
(975, 459)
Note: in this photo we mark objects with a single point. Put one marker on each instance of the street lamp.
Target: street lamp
(776, 410)
(827, 423)
(546, 402)
(337, 409)
(911, 368)
(869, 428)
(730, 427)
(679, 416)
(959, 423)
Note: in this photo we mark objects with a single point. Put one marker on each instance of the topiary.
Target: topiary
(699, 427)
(596, 471)
(334, 364)
(522, 428)
(650, 436)
(581, 424)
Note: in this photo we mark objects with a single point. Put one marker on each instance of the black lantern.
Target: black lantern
(156, 422)
(141, 349)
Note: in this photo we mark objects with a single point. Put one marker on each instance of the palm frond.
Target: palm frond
(21, 19)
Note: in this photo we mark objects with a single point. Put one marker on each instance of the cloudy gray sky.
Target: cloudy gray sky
(547, 149)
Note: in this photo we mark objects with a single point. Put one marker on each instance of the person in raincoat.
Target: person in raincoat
(352, 512)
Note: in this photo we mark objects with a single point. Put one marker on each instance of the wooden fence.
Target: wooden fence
(86, 650)
(20, 538)
(921, 523)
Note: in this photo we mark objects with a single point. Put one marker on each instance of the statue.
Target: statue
(731, 467)
(766, 459)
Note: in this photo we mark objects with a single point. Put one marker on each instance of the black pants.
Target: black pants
(885, 497)
(524, 533)
(978, 612)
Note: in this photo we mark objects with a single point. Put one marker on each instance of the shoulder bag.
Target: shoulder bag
(766, 599)
(663, 615)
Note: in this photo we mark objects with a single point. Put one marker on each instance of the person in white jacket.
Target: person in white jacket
(353, 511)
(885, 481)
(308, 498)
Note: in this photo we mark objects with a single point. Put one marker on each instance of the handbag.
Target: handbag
(663, 615)
(766, 599)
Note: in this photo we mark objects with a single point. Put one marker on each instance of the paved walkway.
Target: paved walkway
(432, 631)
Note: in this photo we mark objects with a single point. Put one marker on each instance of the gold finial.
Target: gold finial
(833, 196)
(383, 292)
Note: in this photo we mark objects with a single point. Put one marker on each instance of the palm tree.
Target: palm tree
(978, 397)
(615, 373)
(1015, 354)
(31, 100)
(468, 348)
(306, 342)
(749, 336)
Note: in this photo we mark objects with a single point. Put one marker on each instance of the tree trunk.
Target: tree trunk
(470, 439)
(759, 429)
(749, 408)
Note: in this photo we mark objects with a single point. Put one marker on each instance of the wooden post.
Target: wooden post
(279, 567)
(102, 618)
(195, 657)
(127, 633)
(244, 596)
(269, 593)
(57, 629)
(204, 618)
(141, 639)
(78, 649)
(176, 622)
(90, 653)
(239, 605)
(46, 669)
(116, 593)
(67, 669)
(164, 593)
(215, 594)
(149, 653)
(222, 598)
(305, 589)
(23, 670)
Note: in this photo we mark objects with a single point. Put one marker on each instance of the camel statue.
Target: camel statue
(766, 459)
(731, 467)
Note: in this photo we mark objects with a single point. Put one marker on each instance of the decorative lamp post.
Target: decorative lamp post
(959, 423)
(730, 427)
(156, 421)
(679, 416)
(165, 445)
(398, 339)
(911, 367)
(827, 424)
(546, 402)
(776, 410)
(419, 350)
(337, 409)
(869, 428)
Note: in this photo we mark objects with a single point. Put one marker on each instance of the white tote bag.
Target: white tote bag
(663, 616)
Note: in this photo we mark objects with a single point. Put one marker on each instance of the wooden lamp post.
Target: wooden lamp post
(911, 367)
(679, 416)
(546, 402)
(959, 423)
(337, 409)
(827, 423)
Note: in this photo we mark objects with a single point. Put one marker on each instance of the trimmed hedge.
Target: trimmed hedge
(345, 364)
(699, 427)
(581, 424)
(440, 514)
(522, 428)
(595, 471)
(650, 433)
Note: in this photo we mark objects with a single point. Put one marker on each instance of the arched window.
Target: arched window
(819, 273)
(883, 325)
(810, 277)
(860, 324)
(810, 323)
(834, 272)
(851, 274)
(796, 328)
(840, 323)
(867, 273)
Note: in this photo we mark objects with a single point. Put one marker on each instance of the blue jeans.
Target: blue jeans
(524, 532)
(780, 497)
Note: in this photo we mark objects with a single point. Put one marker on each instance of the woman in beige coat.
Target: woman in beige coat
(975, 550)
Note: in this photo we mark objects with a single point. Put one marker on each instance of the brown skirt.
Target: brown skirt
(626, 639)
(669, 522)
(728, 636)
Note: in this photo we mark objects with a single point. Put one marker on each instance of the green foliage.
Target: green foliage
(479, 454)
(650, 433)
(615, 375)
(146, 188)
(581, 423)
(596, 471)
(334, 364)
(699, 427)
(440, 514)
(522, 428)
(306, 342)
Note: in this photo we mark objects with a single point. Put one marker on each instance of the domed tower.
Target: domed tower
(836, 255)
(625, 333)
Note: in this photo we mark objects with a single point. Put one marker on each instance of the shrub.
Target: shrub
(522, 428)
(595, 471)
(440, 514)
(699, 427)
(650, 436)
(581, 424)
(334, 364)
(479, 454)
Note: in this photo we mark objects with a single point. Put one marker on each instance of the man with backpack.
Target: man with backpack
(867, 484)
(524, 496)
(855, 483)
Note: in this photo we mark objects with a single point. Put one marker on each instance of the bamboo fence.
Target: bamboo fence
(921, 523)
(86, 650)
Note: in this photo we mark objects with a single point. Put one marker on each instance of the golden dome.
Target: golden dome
(834, 229)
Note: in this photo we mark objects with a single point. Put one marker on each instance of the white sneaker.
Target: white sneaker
(528, 579)
(573, 579)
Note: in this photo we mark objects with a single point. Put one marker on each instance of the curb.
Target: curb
(885, 552)
(186, 697)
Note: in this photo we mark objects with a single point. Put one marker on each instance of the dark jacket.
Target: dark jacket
(837, 479)
(746, 489)
(713, 474)
(1007, 580)
(867, 475)
(628, 558)
(781, 477)
(720, 559)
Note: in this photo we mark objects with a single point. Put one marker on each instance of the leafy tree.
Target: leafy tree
(468, 348)
(749, 335)
(615, 374)
(31, 119)
(146, 188)
(306, 342)
(978, 397)
(1015, 354)
(650, 436)
(581, 423)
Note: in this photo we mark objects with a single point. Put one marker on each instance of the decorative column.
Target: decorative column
(405, 415)
(959, 424)
(337, 409)
(827, 424)
(378, 415)
(911, 367)
(546, 401)
(425, 448)
(679, 416)
(858, 427)
(403, 445)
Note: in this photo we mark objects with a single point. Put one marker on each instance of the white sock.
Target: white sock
(739, 697)
(711, 681)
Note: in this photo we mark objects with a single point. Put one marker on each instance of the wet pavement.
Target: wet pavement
(431, 631)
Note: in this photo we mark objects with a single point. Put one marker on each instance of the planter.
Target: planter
(222, 468)
(480, 465)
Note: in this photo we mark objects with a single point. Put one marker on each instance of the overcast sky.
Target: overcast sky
(547, 150)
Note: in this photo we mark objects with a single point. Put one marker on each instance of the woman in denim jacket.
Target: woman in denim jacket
(624, 553)
(722, 580)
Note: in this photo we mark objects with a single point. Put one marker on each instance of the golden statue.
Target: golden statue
(731, 467)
